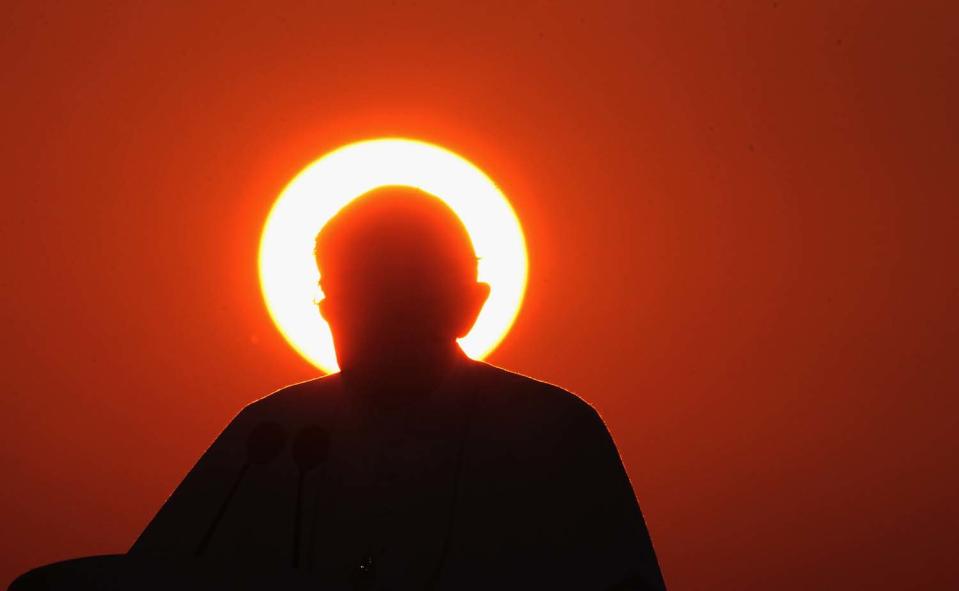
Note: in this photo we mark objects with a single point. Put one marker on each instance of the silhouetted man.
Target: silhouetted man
(415, 466)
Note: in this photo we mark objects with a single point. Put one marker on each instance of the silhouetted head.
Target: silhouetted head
(399, 278)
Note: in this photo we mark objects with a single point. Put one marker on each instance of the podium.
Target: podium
(125, 572)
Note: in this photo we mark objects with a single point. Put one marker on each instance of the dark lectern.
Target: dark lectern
(123, 572)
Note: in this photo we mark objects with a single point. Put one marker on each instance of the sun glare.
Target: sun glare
(288, 273)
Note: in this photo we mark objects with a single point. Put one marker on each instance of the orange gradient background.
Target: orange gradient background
(741, 221)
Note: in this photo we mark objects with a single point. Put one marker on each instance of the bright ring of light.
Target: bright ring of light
(288, 273)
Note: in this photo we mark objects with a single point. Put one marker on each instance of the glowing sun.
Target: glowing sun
(288, 273)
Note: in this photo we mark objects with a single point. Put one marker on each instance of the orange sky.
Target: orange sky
(741, 220)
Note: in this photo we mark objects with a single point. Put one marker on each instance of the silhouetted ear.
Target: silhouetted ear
(321, 306)
(483, 290)
(479, 292)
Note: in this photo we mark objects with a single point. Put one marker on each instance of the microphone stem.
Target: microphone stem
(216, 520)
(297, 519)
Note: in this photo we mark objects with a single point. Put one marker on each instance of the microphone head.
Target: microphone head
(310, 447)
(265, 442)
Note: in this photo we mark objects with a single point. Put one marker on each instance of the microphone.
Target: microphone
(310, 449)
(264, 443)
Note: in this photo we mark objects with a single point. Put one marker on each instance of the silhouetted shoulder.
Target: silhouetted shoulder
(531, 397)
(298, 401)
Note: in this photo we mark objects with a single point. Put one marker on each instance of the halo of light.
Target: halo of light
(287, 268)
